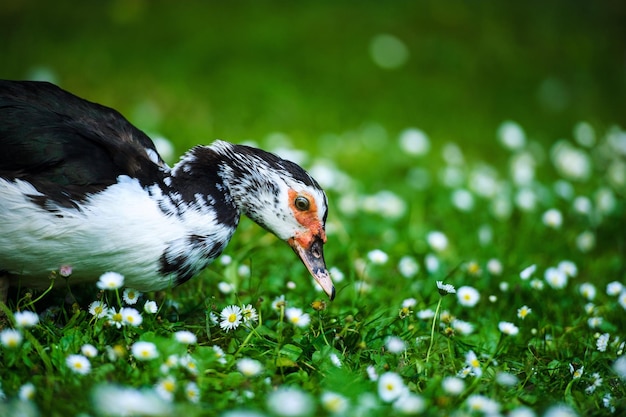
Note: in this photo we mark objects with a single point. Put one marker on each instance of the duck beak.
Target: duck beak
(310, 250)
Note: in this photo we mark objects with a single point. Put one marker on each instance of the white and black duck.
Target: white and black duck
(80, 186)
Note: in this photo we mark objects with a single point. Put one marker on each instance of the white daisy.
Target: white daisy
(336, 274)
(614, 288)
(594, 322)
(170, 362)
(26, 319)
(494, 266)
(431, 262)
(407, 266)
(462, 199)
(409, 303)
(569, 268)
(98, 309)
(482, 404)
(185, 337)
(249, 367)
(278, 303)
(377, 257)
(371, 373)
(249, 314)
(131, 317)
(290, 402)
(576, 371)
(409, 404)
(219, 354)
(414, 141)
(445, 289)
(225, 260)
(335, 403)
(130, 296)
(395, 345)
(453, 385)
(166, 388)
(523, 311)
(189, 363)
(110, 281)
(619, 366)
(390, 386)
(297, 317)
(462, 327)
(596, 382)
(192, 392)
(425, 314)
(556, 278)
(511, 135)
(437, 241)
(602, 342)
(508, 328)
(536, 284)
(11, 338)
(231, 317)
(468, 296)
(471, 360)
(89, 350)
(586, 241)
(116, 400)
(150, 307)
(115, 317)
(26, 393)
(334, 359)
(144, 351)
(506, 379)
(552, 218)
(79, 364)
(587, 290)
(527, 272)
(225, 287)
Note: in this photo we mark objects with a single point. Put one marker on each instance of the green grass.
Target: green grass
(368, 310)
(195, 72)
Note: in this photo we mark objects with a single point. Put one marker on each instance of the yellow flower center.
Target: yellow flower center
(232, 318)
(169, 386)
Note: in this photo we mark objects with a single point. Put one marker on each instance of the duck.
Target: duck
(83, 189)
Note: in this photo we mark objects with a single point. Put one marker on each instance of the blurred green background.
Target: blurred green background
(194, 71)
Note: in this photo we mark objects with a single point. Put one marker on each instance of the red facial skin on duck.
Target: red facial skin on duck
(308, 244)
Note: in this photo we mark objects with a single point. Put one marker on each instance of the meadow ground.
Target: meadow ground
(476, 235)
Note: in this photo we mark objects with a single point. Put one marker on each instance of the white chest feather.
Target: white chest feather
(122, 229)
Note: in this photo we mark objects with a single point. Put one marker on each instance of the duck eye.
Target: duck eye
(302, 203)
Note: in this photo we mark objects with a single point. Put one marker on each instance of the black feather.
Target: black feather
(65, 146)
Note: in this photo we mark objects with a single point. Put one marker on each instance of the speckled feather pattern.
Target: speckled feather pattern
(155, 225)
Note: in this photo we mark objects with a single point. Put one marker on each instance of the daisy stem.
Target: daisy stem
(32, 302)
(432, 330)
(41, 351)
(117, 295)
(252, 331)
(280, 328)
(319, 316)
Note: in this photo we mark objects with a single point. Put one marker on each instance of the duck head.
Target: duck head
(284, 199)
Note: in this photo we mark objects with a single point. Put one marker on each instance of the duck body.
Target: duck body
(81, 187)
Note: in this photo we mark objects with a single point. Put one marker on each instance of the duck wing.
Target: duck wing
(68, 147)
